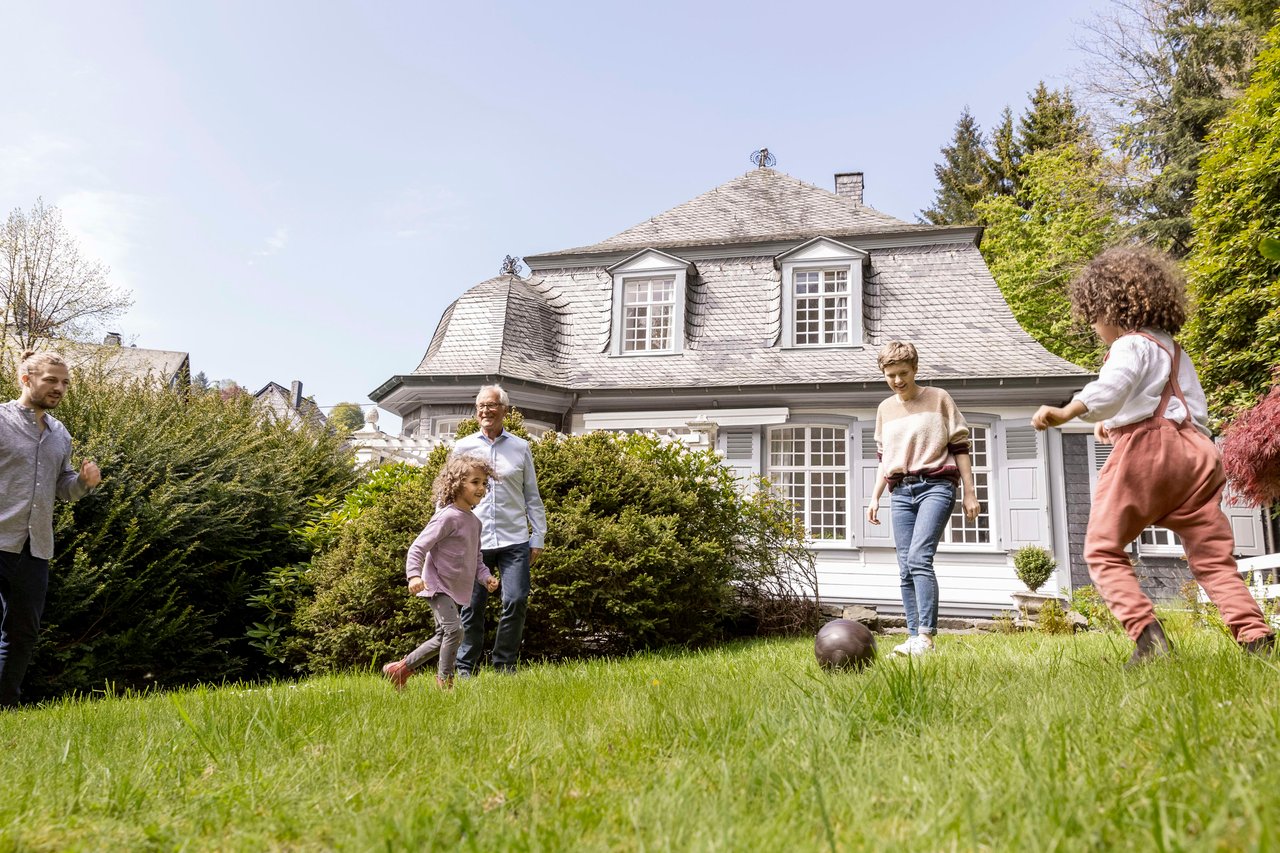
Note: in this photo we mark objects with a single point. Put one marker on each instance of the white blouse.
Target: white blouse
(1129, 386)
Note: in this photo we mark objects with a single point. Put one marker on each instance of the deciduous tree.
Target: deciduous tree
(48, 289)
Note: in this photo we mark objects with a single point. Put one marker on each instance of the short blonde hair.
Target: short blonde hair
(32, 362)
(897, 352)
(455, 471)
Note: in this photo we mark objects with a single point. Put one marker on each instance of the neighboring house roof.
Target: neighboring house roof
(165, 367)
(280, 401)
(763, 204)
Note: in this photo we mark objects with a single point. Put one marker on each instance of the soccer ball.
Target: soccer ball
(844, 644)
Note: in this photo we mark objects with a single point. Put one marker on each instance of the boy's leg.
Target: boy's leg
(449, 629)
(902, 515)
(1209, 543)
(513, 564)
(1119, 514)
(24, 581)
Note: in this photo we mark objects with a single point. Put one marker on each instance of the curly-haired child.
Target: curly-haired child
(1163, 468)
(444, 563)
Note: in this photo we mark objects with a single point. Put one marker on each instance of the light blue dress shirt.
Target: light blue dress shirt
(511, 512)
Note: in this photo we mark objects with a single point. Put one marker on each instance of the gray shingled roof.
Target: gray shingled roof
(763, 204)
(555, 328)
(500, 326)
(941, 297)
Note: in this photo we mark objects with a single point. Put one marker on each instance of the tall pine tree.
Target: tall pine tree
(964, 176)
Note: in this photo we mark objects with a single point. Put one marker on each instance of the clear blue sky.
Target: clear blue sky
(297, 190)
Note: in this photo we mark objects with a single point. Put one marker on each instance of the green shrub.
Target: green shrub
(153, 574)
(1086, 601)
(649, 544)
(1033, 565)
(1052, 619)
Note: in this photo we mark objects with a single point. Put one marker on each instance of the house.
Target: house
(288, 404)
(750, 317)
(166, 368)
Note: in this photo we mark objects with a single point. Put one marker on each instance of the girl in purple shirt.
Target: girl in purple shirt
(444, 564)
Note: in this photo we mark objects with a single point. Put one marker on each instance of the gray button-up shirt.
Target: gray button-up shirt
(35, 467)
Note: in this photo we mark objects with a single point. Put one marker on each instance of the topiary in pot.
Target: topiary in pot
(1033, 565)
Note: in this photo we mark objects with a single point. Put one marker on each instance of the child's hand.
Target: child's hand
(1101, 434)
(491, 584)
(416, 585)
(1049, 416)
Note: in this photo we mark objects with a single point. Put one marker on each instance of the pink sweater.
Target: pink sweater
(446, 555)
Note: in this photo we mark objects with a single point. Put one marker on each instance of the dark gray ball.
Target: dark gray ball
(844, 644)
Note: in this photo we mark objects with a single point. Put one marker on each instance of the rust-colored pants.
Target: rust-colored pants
(1168, 474)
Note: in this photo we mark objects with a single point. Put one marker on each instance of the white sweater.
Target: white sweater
(1129, 386)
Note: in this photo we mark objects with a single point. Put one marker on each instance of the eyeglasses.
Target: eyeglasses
(486, 407)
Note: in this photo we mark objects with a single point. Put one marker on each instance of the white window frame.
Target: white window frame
(649, 265)
(822, 255)
(984, 479)
(840, 444)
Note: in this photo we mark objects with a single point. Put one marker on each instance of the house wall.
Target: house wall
(1075, 463)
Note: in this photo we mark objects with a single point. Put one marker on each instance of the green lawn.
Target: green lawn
(1024, 742)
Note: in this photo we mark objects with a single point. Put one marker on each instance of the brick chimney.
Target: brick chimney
(295, 394)
(849, 185)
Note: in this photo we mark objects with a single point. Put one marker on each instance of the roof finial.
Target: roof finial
(763, 159)
(510, 266)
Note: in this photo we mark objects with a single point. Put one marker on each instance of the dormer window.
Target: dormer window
(648, 304)
(648, 314)
(821, 294)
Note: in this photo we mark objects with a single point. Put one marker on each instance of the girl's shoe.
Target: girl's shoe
(914, 647)
(444, 683)
(398, 672)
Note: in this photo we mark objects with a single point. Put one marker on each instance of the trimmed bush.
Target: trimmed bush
(649, 545)
(1033, 565)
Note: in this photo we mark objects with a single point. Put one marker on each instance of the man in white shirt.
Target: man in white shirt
(513, 532)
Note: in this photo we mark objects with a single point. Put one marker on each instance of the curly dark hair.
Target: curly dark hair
(455, 471)
(1131, 287)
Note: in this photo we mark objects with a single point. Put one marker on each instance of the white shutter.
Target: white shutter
(1024, 500)
(740, 447)
(867, 467)
(1246, 525)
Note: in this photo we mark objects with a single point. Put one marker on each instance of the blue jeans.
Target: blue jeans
(512, 563)
(24, 581)
(920, 513)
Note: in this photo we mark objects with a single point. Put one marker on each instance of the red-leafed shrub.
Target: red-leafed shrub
(1251, 451)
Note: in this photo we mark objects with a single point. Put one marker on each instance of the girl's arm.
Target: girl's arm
(873, 506)
(435, 530)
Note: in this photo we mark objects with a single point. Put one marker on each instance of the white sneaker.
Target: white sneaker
(913, 647)
(909, 648)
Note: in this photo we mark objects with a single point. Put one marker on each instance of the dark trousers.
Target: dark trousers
(512, 564)
(24, 580)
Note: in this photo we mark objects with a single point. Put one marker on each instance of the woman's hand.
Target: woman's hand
(873, 512)
(971, 507)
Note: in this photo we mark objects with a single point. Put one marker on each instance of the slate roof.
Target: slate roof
(502, 325)
(763, 204)
(164, 367)
(930, 287)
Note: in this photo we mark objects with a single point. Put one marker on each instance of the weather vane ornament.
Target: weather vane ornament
(510, 266)
(763, 159)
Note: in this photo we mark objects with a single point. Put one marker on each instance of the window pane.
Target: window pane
(978, 531)
(809, 464)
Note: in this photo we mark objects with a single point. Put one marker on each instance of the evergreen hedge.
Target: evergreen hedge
(153, 574)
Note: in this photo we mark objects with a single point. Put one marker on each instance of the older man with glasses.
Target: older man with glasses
(513, 530)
